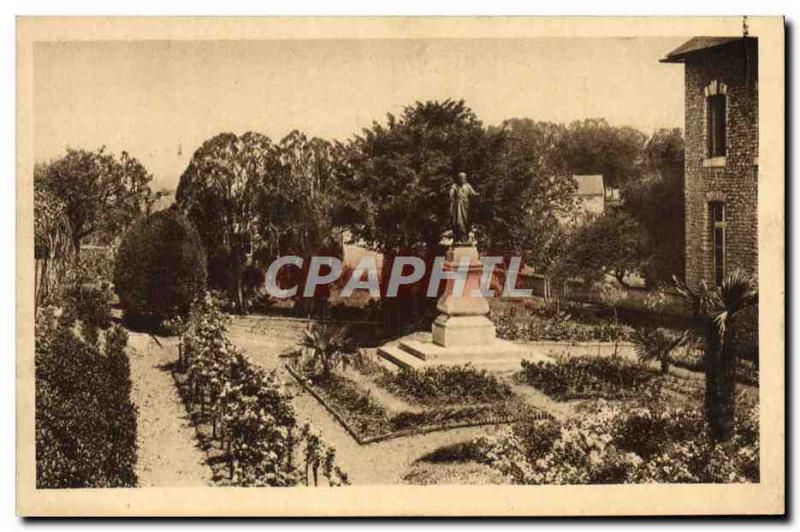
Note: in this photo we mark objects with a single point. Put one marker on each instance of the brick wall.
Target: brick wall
(728, 70)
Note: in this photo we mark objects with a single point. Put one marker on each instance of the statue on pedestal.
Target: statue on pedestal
(460, 193)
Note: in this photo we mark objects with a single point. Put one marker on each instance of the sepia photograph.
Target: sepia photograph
(513, 257)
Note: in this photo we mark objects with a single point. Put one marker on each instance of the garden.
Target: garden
(602, 394)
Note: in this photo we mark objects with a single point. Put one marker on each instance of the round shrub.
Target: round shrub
(160, 268)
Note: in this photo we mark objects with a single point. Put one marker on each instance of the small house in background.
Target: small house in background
(591, 193)
(721, 162)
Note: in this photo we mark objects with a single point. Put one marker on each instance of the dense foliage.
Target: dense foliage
(638, 443)
(252, 201)
(217, 192)
(370, 418)
(587, 377)
(85, 421)
(657, 203)
(611, 243)
(251, 413)
(160, 268)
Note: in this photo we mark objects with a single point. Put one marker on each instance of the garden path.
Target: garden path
(168, 455)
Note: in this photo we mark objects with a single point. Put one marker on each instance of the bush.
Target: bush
(587, 377)
(446, 384)
(85, 421)
(90, 305)
(160, 268)
(626, 444)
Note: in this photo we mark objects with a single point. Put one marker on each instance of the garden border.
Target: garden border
(541, 416)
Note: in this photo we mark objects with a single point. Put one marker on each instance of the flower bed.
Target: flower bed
(369, 420)
(627, 444)
(245, 413)
(445, 385)
(587, 377)
(85, 421)
(519, 323)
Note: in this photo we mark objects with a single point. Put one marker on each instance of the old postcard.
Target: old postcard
(400, 266)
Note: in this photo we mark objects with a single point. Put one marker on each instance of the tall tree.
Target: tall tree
(296, 206)
(657, 202)
(102, 194)
(217, 192)
(397, 176)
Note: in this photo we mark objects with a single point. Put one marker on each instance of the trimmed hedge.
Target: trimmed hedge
(160, 268)
(85, 421)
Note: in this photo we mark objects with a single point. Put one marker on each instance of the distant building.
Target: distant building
(721, 161)
(591, 193)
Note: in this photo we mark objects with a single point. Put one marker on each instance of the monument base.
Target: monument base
(462, 331)
(420, 353)
(432, 352)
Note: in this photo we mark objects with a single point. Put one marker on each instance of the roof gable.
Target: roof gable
(696, 44)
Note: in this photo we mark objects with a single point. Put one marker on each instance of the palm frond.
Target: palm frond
(655, 343)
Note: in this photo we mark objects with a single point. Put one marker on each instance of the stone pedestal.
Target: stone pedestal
(463, 318)
(462, 333)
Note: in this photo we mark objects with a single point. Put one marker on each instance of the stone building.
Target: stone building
(721, 160)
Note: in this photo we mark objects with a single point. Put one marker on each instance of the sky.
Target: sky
(159, 100)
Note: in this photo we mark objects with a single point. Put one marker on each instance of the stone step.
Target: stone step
(414, 348)
(431, 352)
(398, 357)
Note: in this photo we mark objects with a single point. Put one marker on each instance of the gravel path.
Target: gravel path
(168, 455)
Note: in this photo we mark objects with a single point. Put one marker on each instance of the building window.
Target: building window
(717, 124)
(718, 238)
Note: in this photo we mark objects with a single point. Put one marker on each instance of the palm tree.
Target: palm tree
(656, 344)
(713, 311)
(328, 345)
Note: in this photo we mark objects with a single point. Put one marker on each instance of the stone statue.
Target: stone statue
(460, 193)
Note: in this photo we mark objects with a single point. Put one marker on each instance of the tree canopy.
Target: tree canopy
(102, 194)
(397, 176)
(593, 146)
